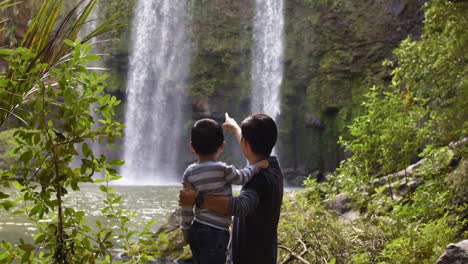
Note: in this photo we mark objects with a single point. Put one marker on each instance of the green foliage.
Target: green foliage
(414, 118)
(383, 141)
(424, 103)
(7, 144)
(405, 232)
(56, 121)
(50, 91)
(435, 68)
(317, 234)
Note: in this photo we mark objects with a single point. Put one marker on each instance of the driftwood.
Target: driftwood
(401, 174)
(293, 255)
(401, 183)
(414, 167)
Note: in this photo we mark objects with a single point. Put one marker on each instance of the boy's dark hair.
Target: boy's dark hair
(261, 132)
(207, 136)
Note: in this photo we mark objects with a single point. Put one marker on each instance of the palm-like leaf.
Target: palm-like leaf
(45, 38)
(8, 3)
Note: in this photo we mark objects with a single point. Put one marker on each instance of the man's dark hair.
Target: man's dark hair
(207, 136)
(261, 132)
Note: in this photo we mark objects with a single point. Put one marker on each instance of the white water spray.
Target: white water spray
(267, 66)
(156, 93)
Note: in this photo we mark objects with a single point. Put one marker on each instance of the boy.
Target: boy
(208, 235)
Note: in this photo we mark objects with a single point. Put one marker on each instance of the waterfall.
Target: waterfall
(156, 93)
(267, 65)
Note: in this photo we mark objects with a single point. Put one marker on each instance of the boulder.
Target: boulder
(455, 254)
(169, 241)
(340, 204)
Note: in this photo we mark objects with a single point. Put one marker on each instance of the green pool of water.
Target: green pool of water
(150, 203)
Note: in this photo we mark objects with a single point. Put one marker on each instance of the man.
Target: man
(257, 209)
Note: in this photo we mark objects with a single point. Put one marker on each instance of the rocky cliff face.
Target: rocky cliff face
(334, 52)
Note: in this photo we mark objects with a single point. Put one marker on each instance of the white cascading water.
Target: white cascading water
(156, 93)
(267, 65)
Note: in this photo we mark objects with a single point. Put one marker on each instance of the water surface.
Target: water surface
(150, 203)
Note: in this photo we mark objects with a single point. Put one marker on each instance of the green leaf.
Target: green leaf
(105, 210)
(150, 223)
(3, 255)
(69, 42)
(8, 204)
(35, 210)
(117, 200)
(3, 195)
(5, 52)
(26, 157)
(27, 247)
(103, 188)
(93, 57)
(117, 162)
(18, 185)
(115, 178)
(86, 150)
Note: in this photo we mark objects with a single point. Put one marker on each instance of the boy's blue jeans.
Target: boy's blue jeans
(208, 244)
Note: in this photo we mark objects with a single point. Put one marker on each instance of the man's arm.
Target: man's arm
(241, 205)
(219, 204)
(186, 215)
(186, 221)
(231, 125)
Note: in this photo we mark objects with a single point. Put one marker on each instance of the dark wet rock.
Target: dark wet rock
(296, 181)
(341, 204)
(313, 121)
(455, 254)
(296, 176)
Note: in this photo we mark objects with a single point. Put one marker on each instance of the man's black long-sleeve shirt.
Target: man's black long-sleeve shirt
(257, 211)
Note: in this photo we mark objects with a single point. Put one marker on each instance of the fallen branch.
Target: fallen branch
(295, 255)
(414, 167)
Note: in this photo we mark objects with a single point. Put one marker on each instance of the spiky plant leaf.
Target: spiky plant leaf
(45, 38)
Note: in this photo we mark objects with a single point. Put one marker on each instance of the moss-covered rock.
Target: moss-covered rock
(169, 240)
